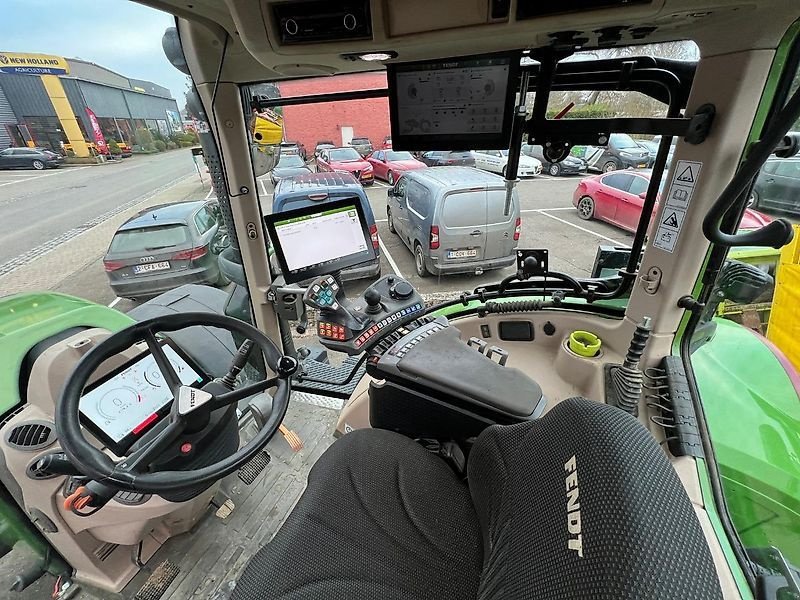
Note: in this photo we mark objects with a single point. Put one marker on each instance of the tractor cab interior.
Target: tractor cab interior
(542, 435)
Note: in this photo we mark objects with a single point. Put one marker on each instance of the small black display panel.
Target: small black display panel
(320, 239)
(125, 404)
(454, 104)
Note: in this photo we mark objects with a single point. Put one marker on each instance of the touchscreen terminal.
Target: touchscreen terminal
(320, 239)
(128, 402)
(454, 104)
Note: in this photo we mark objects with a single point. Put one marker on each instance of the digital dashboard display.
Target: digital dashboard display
(453, 104)
(131, 400)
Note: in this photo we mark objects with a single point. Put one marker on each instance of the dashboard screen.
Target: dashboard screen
(320, 239)
(454, 104)
(131, 400)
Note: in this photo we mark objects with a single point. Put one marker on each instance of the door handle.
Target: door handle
(770, 180)
(476, 233)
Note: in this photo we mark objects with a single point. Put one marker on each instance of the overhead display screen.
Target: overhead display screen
(319, 240)
(455, 104)
(130, 401)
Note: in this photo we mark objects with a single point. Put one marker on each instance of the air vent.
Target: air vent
(31, 436)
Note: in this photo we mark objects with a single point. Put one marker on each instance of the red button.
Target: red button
(186, 447)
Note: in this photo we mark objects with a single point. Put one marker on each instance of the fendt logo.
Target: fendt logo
(193, 398)
(575, 539)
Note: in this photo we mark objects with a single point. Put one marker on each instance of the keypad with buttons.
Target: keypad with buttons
(386, 324)
(323, 293)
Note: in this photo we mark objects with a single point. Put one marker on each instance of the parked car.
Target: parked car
(29, 158)
(452, 219)
(652, 150)
(318, 189)
(777, 186)
(617, 198)
(166, 246)
(323, 145)
(495, 161)
(289, 165)
(571, 165)
(438, 158)
(387, 142)
(362, 145)
(622, 152)
(389, 165)
(346, 160)
(294, 148)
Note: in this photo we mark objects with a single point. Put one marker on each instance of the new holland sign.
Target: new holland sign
(32, 64)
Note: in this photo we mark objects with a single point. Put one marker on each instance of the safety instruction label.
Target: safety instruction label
(676, 203)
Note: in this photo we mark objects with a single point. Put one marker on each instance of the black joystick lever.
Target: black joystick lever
(373, 300)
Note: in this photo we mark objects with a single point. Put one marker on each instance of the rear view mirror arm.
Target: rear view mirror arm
(779, 232)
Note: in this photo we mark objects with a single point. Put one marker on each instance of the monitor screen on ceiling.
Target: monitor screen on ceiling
(453, 104)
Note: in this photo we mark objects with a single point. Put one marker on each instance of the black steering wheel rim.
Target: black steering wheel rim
(97, 465)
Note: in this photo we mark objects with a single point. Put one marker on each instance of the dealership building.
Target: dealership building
(47, 101)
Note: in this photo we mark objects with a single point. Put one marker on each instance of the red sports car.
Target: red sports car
(618, 197)
(390, 164)
(346, 160)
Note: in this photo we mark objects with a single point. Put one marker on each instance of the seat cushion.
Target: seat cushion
(381, 518)
(584, 504)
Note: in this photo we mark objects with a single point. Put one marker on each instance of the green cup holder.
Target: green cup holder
(584, 344)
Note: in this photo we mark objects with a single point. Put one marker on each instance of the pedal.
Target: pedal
(253, 469)
(226, 510)
(155, 586)
(294, 441)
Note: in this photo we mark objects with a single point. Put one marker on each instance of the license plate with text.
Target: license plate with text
(159, 266)
(462, 253)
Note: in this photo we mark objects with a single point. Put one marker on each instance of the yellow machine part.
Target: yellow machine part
(65, 114)
(784, 319)
(268, 129)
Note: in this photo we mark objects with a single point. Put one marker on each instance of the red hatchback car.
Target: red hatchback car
(390, 164)
(346, 160)
(618, 197)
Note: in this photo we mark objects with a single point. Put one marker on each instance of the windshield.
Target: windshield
(290, 160)
(396, 155)
(344, 155)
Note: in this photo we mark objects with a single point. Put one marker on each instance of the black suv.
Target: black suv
(777, 186)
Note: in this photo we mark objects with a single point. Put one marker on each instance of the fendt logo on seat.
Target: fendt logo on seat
(575, 541)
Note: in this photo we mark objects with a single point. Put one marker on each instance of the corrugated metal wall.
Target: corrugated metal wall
(103, 100)
(91, 72)
(149, 107)
(7, 117)
(150, 87)
(27, 96)
(75, 98)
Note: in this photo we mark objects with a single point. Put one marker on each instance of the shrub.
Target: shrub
(151, 147)
(143, 137)
(113, 147)
(171, 145)
(160, 145)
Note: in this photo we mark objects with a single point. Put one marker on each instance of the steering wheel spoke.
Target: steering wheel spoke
(166, 368)
(141, 458)
(241, 393)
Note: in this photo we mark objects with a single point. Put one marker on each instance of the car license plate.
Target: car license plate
(642, 165)
(462, 253)
(159, 266)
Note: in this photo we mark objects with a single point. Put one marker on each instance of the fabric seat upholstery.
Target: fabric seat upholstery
(383, 518)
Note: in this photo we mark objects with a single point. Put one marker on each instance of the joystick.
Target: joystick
(373, 300)
(401, 290)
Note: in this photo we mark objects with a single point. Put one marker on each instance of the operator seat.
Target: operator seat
(580, 504)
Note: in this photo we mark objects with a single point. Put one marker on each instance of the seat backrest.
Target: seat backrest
(584, 504)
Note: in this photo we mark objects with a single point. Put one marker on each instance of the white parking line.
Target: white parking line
(381, 220)
(42, 176)
(594, 233)
(527, 210)
(389, 258)
(380, 183)
(114, 302)
(263, 187)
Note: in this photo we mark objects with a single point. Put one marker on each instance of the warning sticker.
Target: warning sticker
(676, 204)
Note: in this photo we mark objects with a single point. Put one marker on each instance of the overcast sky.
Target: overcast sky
(120, 35)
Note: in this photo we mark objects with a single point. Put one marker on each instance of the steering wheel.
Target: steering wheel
(190, 404)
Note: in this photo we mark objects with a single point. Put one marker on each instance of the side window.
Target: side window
(378, 155)
(204, 220)
(400, 187)
(418, 198)
(787, 168)
(769, 167)
(618, 181)
(638, 186)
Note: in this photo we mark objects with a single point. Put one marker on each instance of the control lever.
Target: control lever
(373, 299)
(56, 463)
(502, 355)
(477, 343)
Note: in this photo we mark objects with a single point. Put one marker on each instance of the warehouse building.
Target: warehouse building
(48, 101)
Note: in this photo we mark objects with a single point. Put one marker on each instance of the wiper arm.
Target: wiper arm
(781, 574)
(151, 248)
